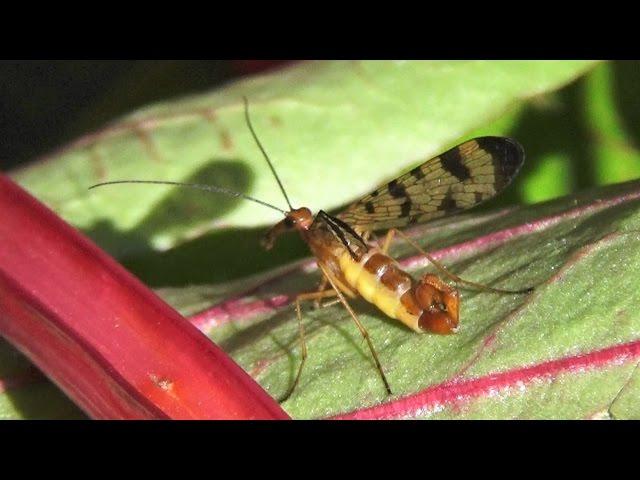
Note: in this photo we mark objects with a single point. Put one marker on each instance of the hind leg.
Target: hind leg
(443, 269)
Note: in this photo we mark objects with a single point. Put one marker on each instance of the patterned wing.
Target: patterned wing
(458, 179)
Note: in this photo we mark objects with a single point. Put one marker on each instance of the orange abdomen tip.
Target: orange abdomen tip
(437, 322)
(439, 303)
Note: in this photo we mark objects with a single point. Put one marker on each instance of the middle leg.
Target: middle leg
(363, 330)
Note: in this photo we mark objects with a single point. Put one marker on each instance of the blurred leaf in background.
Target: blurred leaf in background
(47, 103)
(322, 123)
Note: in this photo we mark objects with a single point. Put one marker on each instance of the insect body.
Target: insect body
(428, 305)
(357, 268)
(458, 179)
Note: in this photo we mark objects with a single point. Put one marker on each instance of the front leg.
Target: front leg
(303, 344)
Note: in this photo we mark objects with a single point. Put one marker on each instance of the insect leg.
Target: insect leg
(321, 288)
(363, 331)
(446, 272)
(366, 235)
(303, 344)
(387, 241)
(370, 238)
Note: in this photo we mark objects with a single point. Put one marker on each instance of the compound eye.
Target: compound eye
(289, 222)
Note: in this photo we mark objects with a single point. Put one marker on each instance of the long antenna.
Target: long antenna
(266, 157)
(208, 188)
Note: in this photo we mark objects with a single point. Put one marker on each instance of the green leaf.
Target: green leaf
(334, 130)
(329, 121)
(26, 393)
(568, 350)
(612, 117)
(582, 135)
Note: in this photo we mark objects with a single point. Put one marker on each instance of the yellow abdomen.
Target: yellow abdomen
(381, 282)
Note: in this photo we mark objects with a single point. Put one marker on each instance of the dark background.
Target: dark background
(47, 103)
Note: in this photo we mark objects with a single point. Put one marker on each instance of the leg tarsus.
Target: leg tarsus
(303, 343)
(303, 353)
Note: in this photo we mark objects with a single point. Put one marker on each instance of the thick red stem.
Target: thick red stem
(113, 346)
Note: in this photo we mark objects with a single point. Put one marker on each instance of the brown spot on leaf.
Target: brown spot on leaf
(100, 171)
(225, 139)
(148, 144)
(210, 114)
(275, 121)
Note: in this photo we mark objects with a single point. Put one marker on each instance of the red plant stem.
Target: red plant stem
(114, 347)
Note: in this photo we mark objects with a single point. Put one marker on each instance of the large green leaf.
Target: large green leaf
(568, 350)
(322, 122)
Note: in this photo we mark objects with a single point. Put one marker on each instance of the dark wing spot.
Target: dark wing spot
(368, 206)
(448, 203)
(417, 173)
(507, 156)
(396, 190)
(405, 208)
(452, 163)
